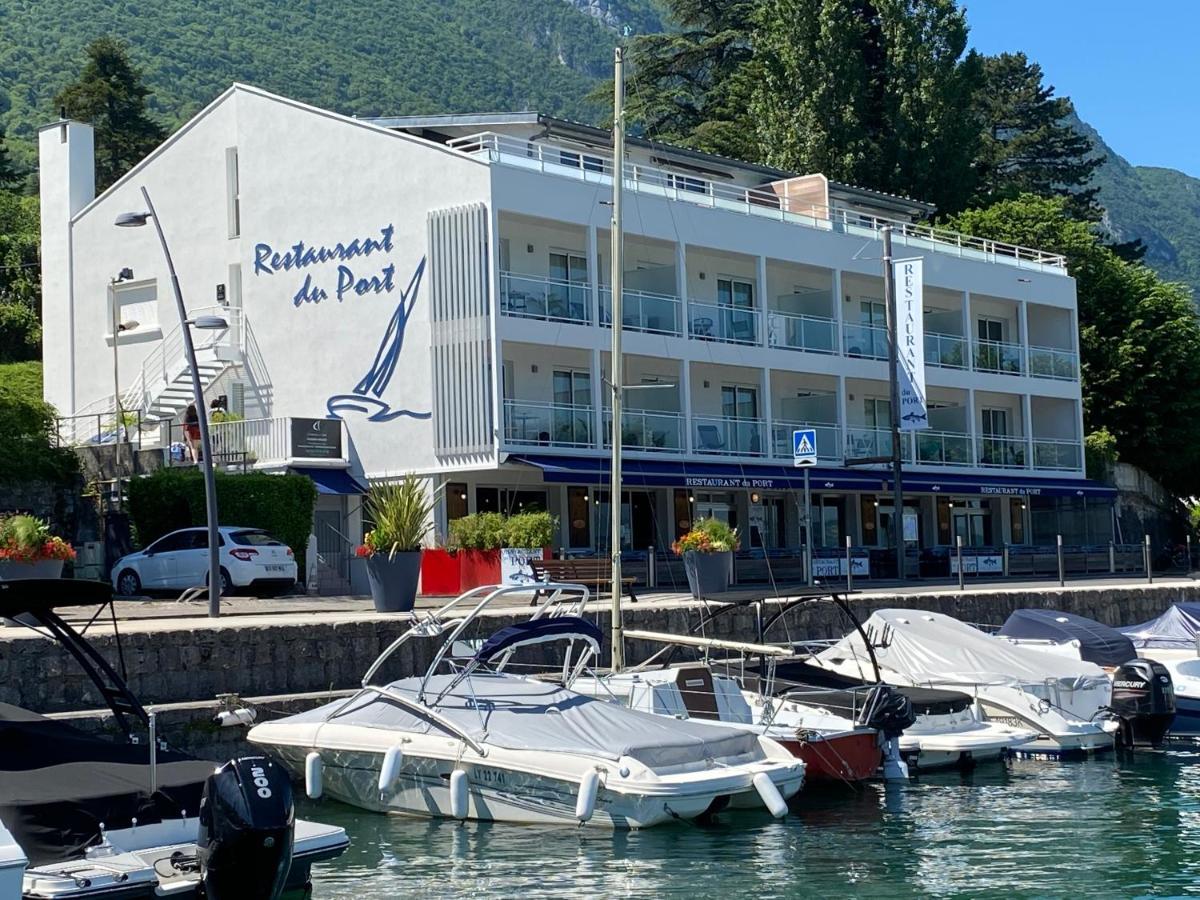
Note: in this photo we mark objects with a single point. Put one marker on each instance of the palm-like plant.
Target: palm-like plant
(401, 513)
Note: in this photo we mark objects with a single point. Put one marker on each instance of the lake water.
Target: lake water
(1114, 827)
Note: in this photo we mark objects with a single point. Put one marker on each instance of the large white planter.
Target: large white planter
(19, 571)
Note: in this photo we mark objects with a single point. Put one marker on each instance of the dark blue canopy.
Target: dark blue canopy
(1176, 629)
(562, 628)
(1098, 643)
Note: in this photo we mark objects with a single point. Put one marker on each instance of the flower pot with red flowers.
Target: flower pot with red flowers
(707, 552)
(400, 511)
(29, 550)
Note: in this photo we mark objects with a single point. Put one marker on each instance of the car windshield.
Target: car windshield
(255, 539)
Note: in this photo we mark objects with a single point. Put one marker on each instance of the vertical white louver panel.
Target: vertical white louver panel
(460, 326)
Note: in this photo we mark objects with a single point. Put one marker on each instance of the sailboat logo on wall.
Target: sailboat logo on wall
(367, 397)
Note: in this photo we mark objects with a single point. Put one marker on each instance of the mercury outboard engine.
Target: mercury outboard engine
(247, 821)
(1143, 700)
(889, 712)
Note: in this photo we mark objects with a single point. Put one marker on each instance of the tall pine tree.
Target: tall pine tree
(110, 95)
(8, 170)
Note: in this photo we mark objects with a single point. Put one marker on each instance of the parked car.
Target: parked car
(250, 557)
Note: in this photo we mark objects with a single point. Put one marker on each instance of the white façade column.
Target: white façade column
(685, 371)
(593, 264)
(595, 373)
(681, 287)
(835, 312)
(1023, 330)
(843, 415)
(968, 332)
(764, 307)
(973, 426)
(1027, 427)
(764, 380)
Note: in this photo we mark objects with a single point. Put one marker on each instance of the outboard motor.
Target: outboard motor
(247, 822)
(1143, 700)
(889, 712)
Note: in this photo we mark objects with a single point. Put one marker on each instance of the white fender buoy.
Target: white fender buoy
(770, 795)
(458, 794)
(894, 766)
(390, 770)
(585, 803)
(313, 771)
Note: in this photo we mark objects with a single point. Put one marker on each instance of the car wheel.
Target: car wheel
(128, 583)
(226, 584)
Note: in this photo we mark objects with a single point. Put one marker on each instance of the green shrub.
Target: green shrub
(20, 333)
(400, 511)
(528, 530)
(27, 429)
(174, 498)
(1100, 453)
(478, 531)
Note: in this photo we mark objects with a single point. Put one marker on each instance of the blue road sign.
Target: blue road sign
(804, 447)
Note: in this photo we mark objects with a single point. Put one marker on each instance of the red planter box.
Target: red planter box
(441, 574)
(478, 567)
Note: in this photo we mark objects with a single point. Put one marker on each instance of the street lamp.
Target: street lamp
(135, 220)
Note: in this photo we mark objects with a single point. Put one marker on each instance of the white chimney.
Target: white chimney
(67, 177)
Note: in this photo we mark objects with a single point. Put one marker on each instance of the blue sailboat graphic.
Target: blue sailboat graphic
(367, 396)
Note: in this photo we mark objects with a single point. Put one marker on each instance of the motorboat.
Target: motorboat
(1173, 639)
(468, 740)
(1063, 701)
(1143, 694)
(88, 817)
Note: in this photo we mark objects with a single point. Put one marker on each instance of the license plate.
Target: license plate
(276, 568)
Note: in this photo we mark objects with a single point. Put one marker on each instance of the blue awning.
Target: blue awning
(764, 476)
(332, 481)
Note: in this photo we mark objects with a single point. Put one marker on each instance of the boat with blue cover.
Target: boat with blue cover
(1173, 639)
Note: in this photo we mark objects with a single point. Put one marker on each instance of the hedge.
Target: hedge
(174, 498)
(27, 426)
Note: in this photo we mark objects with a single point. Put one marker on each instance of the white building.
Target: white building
(439, 285)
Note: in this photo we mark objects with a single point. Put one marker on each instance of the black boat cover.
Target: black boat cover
(1098, 643)
(795, 676)
(58, 784)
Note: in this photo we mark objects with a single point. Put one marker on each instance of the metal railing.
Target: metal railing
(99, 428)
(794, 332)
(596, 167)
(729, 436)
(829, 439)
(865, 341)
(645, 429)
(721, 322)
(947, 351)
(545, 298)
(552, 424)
(943, 448)
(644, 311)
(1057, 454)
(862, 442)
(1053, 362)
(999, 356)
(1002, 451)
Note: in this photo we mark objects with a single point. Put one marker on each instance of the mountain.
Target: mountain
(366, 57)
(1161, 207)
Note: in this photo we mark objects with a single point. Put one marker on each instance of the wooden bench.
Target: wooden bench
(593, 573)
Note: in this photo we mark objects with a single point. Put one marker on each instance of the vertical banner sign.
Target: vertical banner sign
(910, 339)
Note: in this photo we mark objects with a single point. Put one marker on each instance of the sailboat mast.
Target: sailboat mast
(616, 368)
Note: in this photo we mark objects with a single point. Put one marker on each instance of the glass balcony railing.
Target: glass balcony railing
(729, 436)
(1001, 451)
(865, 341)
(541, 297)
(649, 430)
(812, 333)
(947, 351)
(730, 324)
(1061, 455)
(1051, 362)
(548, 424)
(873, 442)
(999, 356)
(644, 311)
(829, 439)
(943, 448)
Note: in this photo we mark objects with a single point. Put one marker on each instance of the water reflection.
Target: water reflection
(1122, 826)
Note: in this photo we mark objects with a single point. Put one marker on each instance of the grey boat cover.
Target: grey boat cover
(1176, 629)
(1097, 643)
(522, 714)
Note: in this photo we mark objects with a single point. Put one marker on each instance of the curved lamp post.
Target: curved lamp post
(134, 220)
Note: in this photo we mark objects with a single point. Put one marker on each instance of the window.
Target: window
(1016, 512)
(572, 388)
(507, 501)
(133, 304)
(456, 501)
(877, 412)
(254, 539)
(567, 298)
(731, 292)
(991, 329)
(872, 312)
(579, 514)
(994, 422)
(568, 266)
(581, 161)
(739, 402)
(180, 540)
(687, 183)
(233, 192)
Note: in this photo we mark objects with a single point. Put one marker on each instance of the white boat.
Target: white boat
(1063, 701)
(1173, 639)
(467, 741)
(12, 866)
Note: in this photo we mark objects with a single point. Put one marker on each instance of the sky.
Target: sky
(1132, 68)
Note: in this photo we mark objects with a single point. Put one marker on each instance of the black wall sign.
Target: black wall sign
(316, 439)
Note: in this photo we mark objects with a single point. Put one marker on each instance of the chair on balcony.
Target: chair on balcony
(742, 329)
(710, 438)
(702, 327)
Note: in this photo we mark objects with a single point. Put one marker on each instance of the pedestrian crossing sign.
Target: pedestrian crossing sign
(804, 447)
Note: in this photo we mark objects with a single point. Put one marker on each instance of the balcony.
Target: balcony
(814, 334)
(866, 441)
(729, 436)
(1052, 362)
(999, 356)
(865, 341)
(1002, 451)
(544, 298)
(946, 351)
(644, 311)
(943, 448)
(1062, 456)
(547, 424)
(648, 430)
(829, 439)
(728, 324)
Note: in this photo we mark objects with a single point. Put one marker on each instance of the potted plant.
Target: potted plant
(29, 550)
(526, 536)
(478, 538)
(707, 552)
(440, 574)
(392, 548)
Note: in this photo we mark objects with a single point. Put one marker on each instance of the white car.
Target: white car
(250, 557)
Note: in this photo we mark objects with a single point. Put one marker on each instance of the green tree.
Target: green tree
(111, 96)
(1029, 144)
(20, 274)
(9, 177)
(1139, 339)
